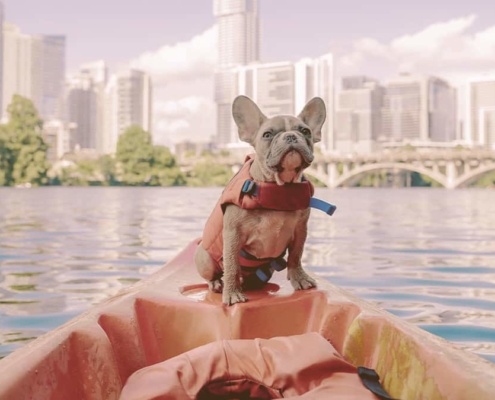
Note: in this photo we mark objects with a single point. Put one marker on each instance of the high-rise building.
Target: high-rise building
(1, 57)
(316, 78)
(358, 115)
(33, 67)
(286, 87)
(81, 105)
(480, 113)
(270, 85)
(355, 81)
(442, 111)
(128, 101)
(238, 32)
(52, 69)
(419, 108)
(84, 106)
(98, 71)
(20, 66)
(57, 134)
(238, 44)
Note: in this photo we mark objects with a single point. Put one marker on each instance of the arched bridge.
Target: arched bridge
(450, 168)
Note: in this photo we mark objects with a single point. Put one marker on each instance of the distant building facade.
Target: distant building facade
(238, 44)
(480, 113)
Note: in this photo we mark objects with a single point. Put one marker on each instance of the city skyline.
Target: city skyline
(182, 72)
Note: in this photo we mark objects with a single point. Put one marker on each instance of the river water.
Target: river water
(426, 255)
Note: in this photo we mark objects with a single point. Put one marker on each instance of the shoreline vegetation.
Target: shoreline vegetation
(137, 162)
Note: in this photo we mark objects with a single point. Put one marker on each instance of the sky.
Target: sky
(176, 42)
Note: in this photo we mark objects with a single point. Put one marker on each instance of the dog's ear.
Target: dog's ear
(314, 115)
(247, 117)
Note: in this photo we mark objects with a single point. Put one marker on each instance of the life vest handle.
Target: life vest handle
(321, 205)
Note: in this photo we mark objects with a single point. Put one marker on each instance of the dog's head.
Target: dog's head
(283, 143)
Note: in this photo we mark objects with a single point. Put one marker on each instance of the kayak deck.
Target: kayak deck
(172, 312)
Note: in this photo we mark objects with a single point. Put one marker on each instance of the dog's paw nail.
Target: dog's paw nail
(216, 286)
(303, 282)
(235, 297)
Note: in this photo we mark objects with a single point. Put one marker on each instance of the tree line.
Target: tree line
(137, 162)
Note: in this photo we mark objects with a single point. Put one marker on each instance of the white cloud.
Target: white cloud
(446, 49)
(188, 118)
(192, 59)
(182, 76)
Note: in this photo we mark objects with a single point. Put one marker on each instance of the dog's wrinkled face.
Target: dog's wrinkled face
(283, 144)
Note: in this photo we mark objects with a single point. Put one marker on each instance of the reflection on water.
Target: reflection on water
(425, 255)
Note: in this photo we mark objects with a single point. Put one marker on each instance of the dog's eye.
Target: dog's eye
(267, 135)
(306, 132)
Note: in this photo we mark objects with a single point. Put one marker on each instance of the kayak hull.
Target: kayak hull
(172, 312)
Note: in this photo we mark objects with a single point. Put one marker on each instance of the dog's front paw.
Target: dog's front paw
(300, 280)
(216, 285)
(234, 296)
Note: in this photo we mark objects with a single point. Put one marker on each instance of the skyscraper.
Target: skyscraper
(419, 108)
(480, 113)
(270, 85)
(128, 101)
(315, 77)
(286, 87)
(238, 32)
(84, 105)
(358, 115)
(33, 67)
(52, 68)
(1, 57)
(20, 66)
(442, 110)
(81, 103)
(324, 83)
(238, 44)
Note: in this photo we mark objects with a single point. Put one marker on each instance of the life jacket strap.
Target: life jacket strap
(251, 188)
(371, 380)
(265, 267)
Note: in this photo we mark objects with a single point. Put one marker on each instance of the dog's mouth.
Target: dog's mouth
(291, 165)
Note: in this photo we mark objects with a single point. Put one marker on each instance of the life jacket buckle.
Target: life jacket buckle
(249, 187)
(279, 264)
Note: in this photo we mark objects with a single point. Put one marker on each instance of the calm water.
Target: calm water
(426, 255)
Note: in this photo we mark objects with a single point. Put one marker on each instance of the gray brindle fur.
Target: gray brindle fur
(284, 148)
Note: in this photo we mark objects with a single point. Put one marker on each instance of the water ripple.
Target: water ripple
(424, 255)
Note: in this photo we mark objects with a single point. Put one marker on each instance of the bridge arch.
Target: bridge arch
(355, 172)
(473, 174)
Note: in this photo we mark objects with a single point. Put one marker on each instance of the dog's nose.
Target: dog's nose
(290, 138)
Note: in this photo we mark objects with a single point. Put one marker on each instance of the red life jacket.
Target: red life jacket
(246, 193)
(294, 367)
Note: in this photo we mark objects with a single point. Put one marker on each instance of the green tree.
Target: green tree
(108, 169)
(23, 116)
(135, 155)
(71, 176)
(165, 171)
(209, 173)
(141, 163)
(23, 149)
(5, 158)
(486, 180)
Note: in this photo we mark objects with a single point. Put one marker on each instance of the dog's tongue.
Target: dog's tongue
(290, 163)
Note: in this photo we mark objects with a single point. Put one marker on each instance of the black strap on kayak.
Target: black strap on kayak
(371, 380)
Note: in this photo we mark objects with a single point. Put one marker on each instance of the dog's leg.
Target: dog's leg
(208, 269)
(299, 279)
(232, 243)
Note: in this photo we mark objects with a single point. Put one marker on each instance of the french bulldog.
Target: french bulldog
(284, 149)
